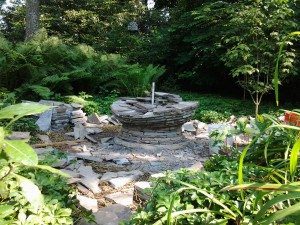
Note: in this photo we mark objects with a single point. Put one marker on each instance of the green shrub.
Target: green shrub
(6, 98)
(45, 65)
(93, 104)
(31, 193)
(215, 108)
(197, 197)
(188, 197)
(25, 124)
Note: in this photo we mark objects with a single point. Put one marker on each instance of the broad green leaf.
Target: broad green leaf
(22, 109)
(265, 187)
(6, 210)
(241, 160)
(278, 199)
(20, 152)
(52, 170)
(184, 212)
(169, 214)
(210, 196)
(281, 214)
(2, 133)
(31, 192)
(5, 222)
(4, 191)
(286, 126)
(294, 157)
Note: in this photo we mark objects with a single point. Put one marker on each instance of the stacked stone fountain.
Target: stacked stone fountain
(150, 124)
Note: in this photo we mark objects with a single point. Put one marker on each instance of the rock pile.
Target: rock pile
(102, 120)
(60, 117)
(77, 115)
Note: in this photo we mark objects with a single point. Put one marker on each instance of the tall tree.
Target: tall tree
(32, 18)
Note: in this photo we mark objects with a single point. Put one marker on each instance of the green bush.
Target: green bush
(197, 197)
(31, 193)
(189, 197)
(93, 104)
(215, 108)
(45, 65)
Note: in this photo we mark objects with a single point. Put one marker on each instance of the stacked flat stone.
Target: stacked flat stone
(77, 115)
(60, 117)
(155, 126)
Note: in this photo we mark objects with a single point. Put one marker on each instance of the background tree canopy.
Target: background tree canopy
(200, 43)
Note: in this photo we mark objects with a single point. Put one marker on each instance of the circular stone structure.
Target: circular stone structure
(152, 127)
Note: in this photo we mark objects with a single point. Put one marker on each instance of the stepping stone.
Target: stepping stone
(140, 190)
(110, 215)
(88, 203)
(44, 138)
(61, 163)
(73, 180)
(71, 173)
(105, 140)
(84, 190)
(122, 198)
(120, 179)
(19, 136)
(41, 151)
(198, 166)
(89, 179)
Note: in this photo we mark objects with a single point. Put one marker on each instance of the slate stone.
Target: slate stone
(76, 106)
(19, 136)
(44, 121)
(79, 132)
(44, 138)
(140, 190)
(89, 178)
(41, 151)
(122, 198)
(88, 203)
(189, 127)
(120, 179)
(110, 215)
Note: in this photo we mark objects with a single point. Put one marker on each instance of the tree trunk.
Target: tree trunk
(256, 102)
(256, 109)
(32, 18)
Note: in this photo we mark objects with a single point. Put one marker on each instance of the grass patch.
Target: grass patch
(215, 108)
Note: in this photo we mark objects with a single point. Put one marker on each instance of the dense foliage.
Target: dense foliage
(44, 66)
(101, 24)
(200, 43)
(211, 197)
(31, 193)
